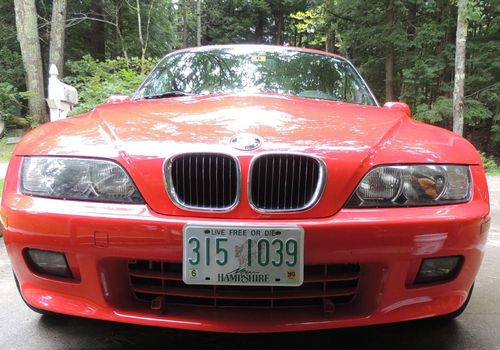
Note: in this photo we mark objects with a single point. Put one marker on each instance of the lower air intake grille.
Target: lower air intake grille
(286, 182)
(203, 181)
(334, 284)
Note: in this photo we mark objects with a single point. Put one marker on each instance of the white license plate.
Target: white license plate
(243, 255)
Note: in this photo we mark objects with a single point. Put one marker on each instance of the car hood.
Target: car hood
(153, 127)
(349, 138)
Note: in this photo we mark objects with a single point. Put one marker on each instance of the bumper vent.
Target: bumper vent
(203, 181)
(286, 182)
(323, 285)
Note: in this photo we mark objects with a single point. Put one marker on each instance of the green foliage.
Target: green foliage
(238, 21)
(10, 101)
(489, 164)
(474, 111)
(422, 36)
(310, 26)
(440, 110)
(96, 81)
(226, 22)
(11, 67)
(12, 82)
(6, 150)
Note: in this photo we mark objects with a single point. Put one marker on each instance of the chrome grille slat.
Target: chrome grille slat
(183, 171)
(214, 178)
(265, 181)
(294, 178)
(286, 182)
(305, 183)
(223, 181)
(216, 182)
(197, 187)
(272, 182)
(278, 195)
(190, 183)
(230, 176)
(299, 183)
(210, 181)
(203, 176)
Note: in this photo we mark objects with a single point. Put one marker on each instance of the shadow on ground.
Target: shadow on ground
(410, 335)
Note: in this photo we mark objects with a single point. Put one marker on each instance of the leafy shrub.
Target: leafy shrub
(489, 163)
(12, 68)
(441, 110)
(474, 111)
(10, 102)
(96, 80)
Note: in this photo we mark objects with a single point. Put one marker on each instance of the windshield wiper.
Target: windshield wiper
(168, 94)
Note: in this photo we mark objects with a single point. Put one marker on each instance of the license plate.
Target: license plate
(243, 255)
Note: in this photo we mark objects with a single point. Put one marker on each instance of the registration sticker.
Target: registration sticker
(258, 58)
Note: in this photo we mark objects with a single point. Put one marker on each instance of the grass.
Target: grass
(5, 150)
(5, 154)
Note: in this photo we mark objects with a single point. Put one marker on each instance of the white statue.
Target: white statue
(62, 97)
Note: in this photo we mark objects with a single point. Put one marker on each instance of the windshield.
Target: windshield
(243, 70)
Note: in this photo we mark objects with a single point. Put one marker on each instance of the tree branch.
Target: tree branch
(84, 17)
(483, 89)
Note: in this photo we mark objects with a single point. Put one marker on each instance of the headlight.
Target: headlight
(412, 185)
(78, 179)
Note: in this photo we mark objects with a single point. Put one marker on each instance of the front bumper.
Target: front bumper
(101, 239)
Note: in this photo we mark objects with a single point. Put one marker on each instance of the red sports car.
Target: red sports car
(246, 189)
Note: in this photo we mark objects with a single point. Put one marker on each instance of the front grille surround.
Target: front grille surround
(316, 193)
(176, 199)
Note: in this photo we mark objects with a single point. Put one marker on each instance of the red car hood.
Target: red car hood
(349, 138)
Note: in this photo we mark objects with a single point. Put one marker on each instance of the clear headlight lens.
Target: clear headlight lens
(77, 179)
(412, 185)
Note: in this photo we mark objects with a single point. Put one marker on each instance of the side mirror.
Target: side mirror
(399, 106)
(117, 98)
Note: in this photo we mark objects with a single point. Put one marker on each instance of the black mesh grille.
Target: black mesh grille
(204, 181)
(285, 182)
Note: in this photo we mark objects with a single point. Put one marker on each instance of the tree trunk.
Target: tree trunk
(27, 34)
(280, 32)
(184, 23)
(458, 89)
(98, 34)
(259, 30)
(330, 41)
(198, 22)
(57, 35)
(141, 39)
(279, 20)
(117, 24)
(389, 57)
(389, 75)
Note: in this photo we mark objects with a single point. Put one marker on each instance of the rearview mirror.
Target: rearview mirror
(399, 106)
